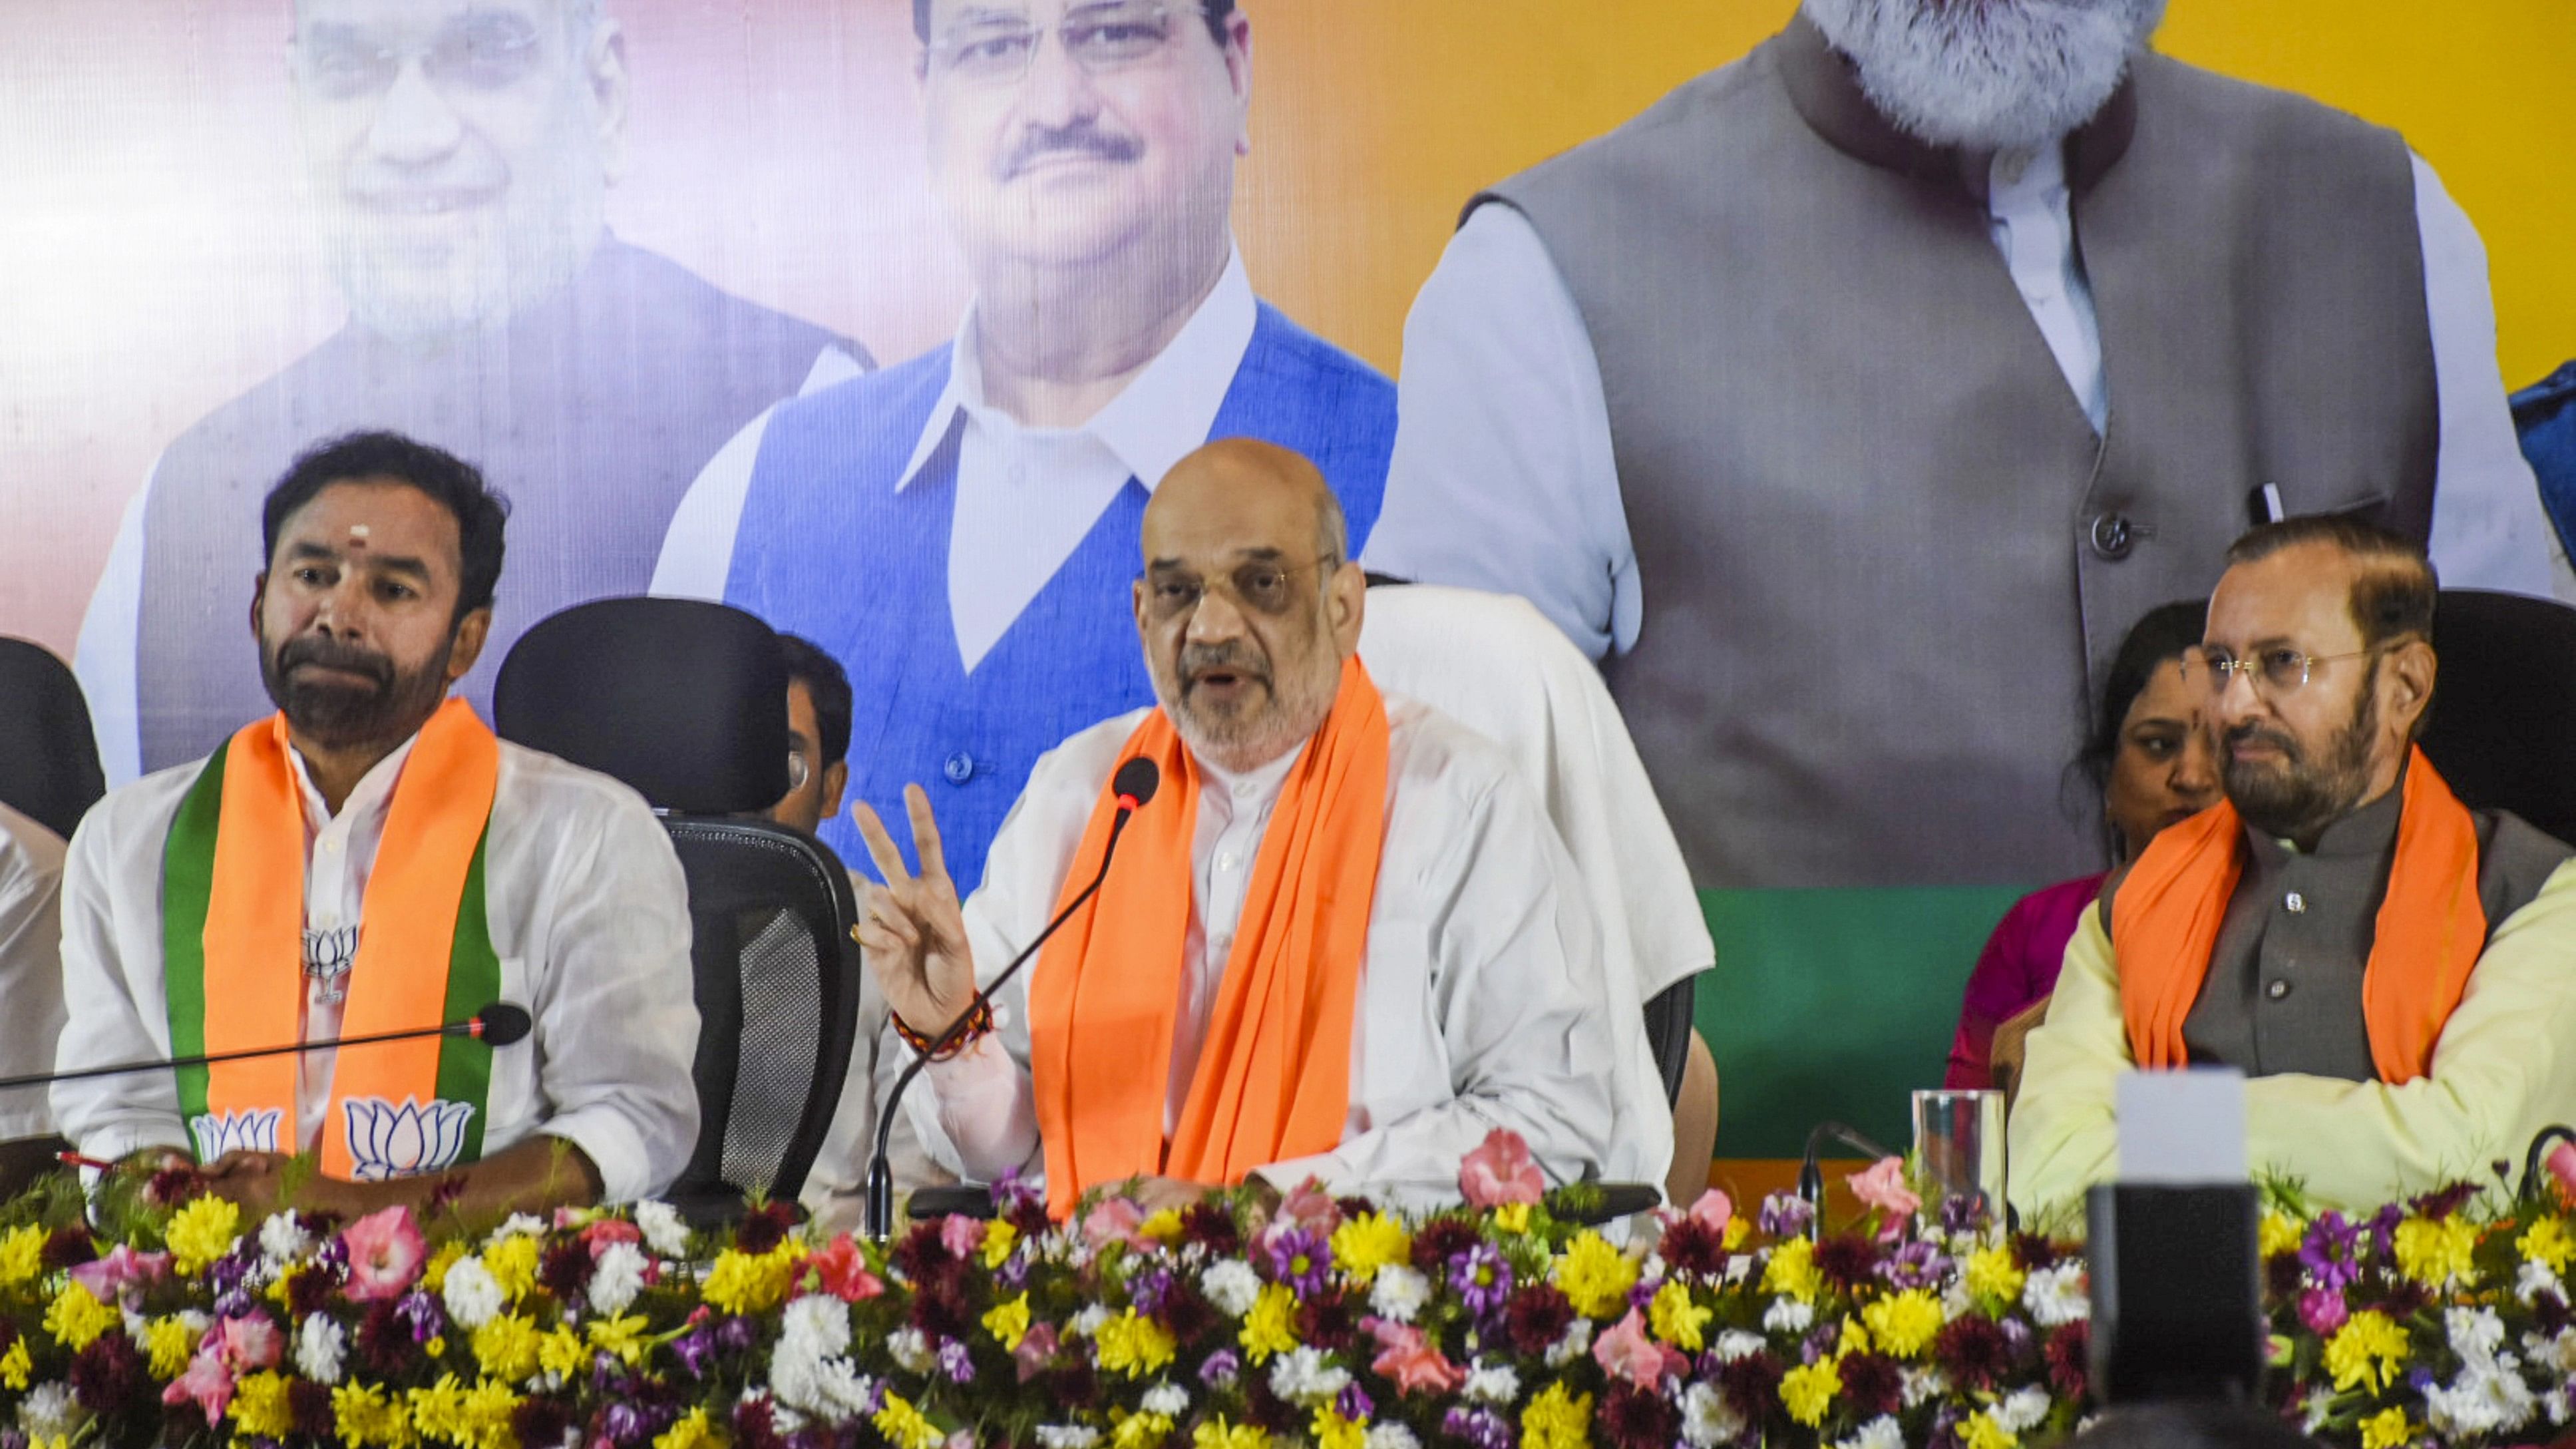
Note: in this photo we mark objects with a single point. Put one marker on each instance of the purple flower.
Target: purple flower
(1786, 1215)
(422, 1312)
(1960, 1212)
(1918, 1264)
(1482, 1278)
(234, 1303)
(2331, 1251)
(1149, 1288)
(1820, 1341)
(1013, 1275)
(623, 1423)
(1220, 1368)
(1013, 1192)
(956, 1362)
(693, 1349)
(1355, 1404)
(1299, 1259)
(1478, 1427)
(2016, 1336)
(736, 1335)
(2383, 1228)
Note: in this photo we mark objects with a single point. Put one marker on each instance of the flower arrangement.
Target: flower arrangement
(1331, 1322)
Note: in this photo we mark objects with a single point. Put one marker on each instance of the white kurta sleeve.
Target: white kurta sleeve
(114, 1007)
(31, 967)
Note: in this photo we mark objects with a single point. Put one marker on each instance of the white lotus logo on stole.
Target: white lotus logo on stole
(220, 1132)
(387, 1141)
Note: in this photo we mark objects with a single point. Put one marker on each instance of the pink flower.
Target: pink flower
(250, 1342)
(962, 1235)
(1500, 1172)
(386, 1252)
(1309, 1208)
(844, 1271)
(2322, 1310)
(2562, 1166)
(122, 1274)
(1625, 1352)
(608, 1232)
(207, 1384)
(1036, 1348)
(1115, 1220)
(1713, 1211)
(1413, 1361)
(1882, 1186)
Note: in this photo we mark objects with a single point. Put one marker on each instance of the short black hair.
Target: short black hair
(1218, 12)
(2190, 1424)
(2161, 634)
(829, 684)
(2392, 599)
(455, 484)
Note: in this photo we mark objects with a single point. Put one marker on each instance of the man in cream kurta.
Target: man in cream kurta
(1479, 1004)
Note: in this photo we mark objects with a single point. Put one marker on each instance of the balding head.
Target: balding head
(1249, 602)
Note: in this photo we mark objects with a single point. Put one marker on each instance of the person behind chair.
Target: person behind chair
(2388, 966)
(2151, 761)
(31, 983)
(1341, 941)
(370, 859)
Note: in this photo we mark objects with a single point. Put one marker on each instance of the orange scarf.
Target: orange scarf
(254, 924)
(1273, 1077)
(2430, 932)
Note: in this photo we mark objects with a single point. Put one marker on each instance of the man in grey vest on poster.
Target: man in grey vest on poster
(1852, 401)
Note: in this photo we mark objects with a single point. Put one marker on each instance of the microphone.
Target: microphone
(1132, 787)
(500, 1024)
(1811, 1176)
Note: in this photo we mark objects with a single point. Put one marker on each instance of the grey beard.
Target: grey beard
(2298, 801)
(1988, 74)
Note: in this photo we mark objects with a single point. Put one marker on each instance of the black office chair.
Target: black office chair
(1668, 1033)
(48, 757)
(2503, 731)
(687, 702)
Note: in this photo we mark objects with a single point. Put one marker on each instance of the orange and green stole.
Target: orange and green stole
(232, 920)
(2426, 939)
(1273, 1076)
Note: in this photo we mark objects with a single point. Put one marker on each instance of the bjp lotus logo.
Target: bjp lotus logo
(220, 1132)
(389, 1141)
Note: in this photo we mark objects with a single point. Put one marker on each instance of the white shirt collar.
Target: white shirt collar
(373, 792)
(1261, 783)
(1163, 414)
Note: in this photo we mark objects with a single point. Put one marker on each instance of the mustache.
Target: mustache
(1082, 138)
(334, 654)
(1199, 659)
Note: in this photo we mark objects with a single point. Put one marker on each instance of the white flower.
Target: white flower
(817, 1325)
(616, 1278)
(1391, 1434)
(1167, 1399)
(517, 1225)
(2057, 1295)
(1788, 1315)
(473, 1296)
(1399, 1293)
(50, 1412)
(2475, 1334)
(1735, 1343)
(1923, 1384)
(1707, 1420)
(2481, 1401)
(1232, 1286)
(2319, 1407)
(2026, 1409)
(664, 1230)
(911, 1349)
(2536, 1279)
(1491, 1383)
(320, 1345)
(1882, 1432)
(1576, 1343)
(1301, 1376)
(1067, 1436)
(1087, 1322)
(283, 1239)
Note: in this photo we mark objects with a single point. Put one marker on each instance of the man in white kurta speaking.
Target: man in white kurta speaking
(371, 859)
(1341, 942)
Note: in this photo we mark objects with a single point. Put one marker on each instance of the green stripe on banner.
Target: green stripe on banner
(187, 890)
(1835, 1005)
(473, 982)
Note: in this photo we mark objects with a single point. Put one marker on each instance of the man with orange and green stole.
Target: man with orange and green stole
(1342, 941)
(2389, 968)
(371, 859)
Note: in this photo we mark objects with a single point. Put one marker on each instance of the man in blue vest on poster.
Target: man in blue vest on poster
(961, 530)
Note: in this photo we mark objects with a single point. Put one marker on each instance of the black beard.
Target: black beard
(338, 715)
(2296, 800)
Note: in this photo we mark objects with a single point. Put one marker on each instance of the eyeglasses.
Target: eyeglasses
(2269, 672)
(479, 53)
(1257, 587)
(1098, 38)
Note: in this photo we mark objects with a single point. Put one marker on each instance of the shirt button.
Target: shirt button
(2296, 904)
(2114, 535)
(959, 769)
(2277, 990)
(1225, 860)
(331, 845)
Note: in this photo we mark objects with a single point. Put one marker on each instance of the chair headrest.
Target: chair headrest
(48, 757)
(684, 700)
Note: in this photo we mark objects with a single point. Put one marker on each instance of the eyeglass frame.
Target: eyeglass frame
(936, 59)
(523, 52)
(1145, 581)
(2226, 671)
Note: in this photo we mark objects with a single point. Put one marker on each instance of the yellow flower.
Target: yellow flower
(16, 1365)
(1008, 1322)
(1332, 1431)
(259, 1405)
(1513, 1217)
(2368, 1350)
(2546, 1242)
(1163, 1227)
(433, 1276)
(2434, 1253)
(1807, 1390)
(1981, 1430)
(563, 1352)
(1853, 1339)
(169, 1344)
(201, 1232)
(1268, 1328)
(2386, 1429)
(1366, 1243)
(693, 1431)
(513, 1264)
(1595, 1276)
(2279, 1233)
(1992, 1276)
(365, 1417)
(1557, 1420)
(22, 1256)
(1737, 1230)
(999, 1238)
(905, 1427)
(1792, 1271)
(436, 1348)
(475, 1418)
(1133, 1344)
(1676, 1319)
(1904, 1323)
(1216, 1433)
(623, 1337)
(75, 1319)
(508, 1347)
(742, 1283)
(1140, 1431)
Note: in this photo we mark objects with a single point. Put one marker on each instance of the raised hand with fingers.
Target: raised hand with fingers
(912, 932)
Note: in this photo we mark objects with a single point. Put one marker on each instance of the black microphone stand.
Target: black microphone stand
(499, 1024)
